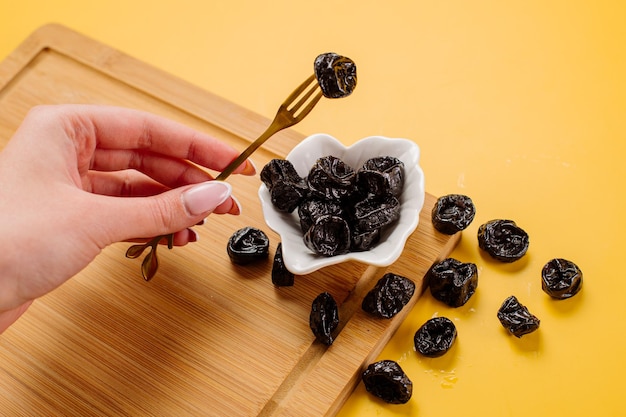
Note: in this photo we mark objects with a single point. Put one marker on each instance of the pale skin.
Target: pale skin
(77, 178)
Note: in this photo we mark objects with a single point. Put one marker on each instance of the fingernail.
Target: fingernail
(236, 207)
(193, 236)
(204, 197)
(249, 168)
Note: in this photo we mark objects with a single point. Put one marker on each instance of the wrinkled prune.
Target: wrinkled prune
(381, 176)
(435, 337)
(390, 294)
(324, 318)
(329, 236)
(248, 245)
(386, 380)
(310, 209)
(281, 276)
(374, 213)
(452, 281)
(331, 179)
(561, 278)
(362, 241)
(503, 240)
(287, 189)
(335, 74)
(453, 213)
(516, 318)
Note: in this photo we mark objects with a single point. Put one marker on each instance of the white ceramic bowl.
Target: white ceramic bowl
(297, 257)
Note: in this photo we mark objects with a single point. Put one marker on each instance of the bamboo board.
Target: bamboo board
(204, 337)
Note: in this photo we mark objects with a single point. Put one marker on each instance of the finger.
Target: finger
(126, 183)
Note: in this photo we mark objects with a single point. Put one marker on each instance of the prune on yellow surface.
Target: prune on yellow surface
(452, 281)
(329, 236)
(374, 213)
(386, 380)
(331, 179)
(281, 276)
(324, 318)
(516, 318)
(336, 74)
(561, 278)
(247, 245)
(453, 213)
(503, 240)
(390, 294)
(435, 337)
(381, 176)
(287, 189)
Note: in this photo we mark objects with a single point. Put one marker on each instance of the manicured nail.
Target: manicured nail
(249, 168)
(236, 208)
(193, 236)
(206, 196)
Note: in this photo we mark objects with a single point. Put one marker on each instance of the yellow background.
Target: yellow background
(518, 104)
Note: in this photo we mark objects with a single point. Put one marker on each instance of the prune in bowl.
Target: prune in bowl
(389, 245)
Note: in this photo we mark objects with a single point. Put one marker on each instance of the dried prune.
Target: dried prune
(374, 213)
(324, 318)
(287, 189)
(362, 241)
(381, 176)
(561, 278)
(329, 236)
(335, 74)
(503, 240)
(386, 380)
(390, 294)
(453, 213)
(453, 281)
(281, 276)
(331, 179)
(310, 209)
(516, 318)
(247, 245)
(435, 337)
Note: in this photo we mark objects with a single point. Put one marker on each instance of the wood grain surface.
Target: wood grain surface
(205, 337)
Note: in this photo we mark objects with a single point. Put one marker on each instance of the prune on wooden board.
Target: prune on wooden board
(516, 318)
(503, 240)
(281, 276)
(381, 176)
(247, 245)
(329, 236)
(374, 213)
(386, 380)
(452, 281)
(336, 74)
(287, 189)
(390, 294)
(435, 337)
(561, 278)
(453, 213)
(331, 179)
(324, 318)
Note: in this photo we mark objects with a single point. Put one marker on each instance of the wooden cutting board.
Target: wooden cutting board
(204, 337)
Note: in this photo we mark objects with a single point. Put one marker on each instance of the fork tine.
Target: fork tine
(309, 106)
(293, 109)
(296, 93)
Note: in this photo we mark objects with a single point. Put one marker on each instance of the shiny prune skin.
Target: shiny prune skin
(561, 278)
(516, 318)
(281, 276)
(336, 74)
(453, 213)
(312, 208)
(324, 318)
(329, 236)
(390, 294)
(386, 380)
(435, 337)
(381, 176)
(452, 281)
(374, 213)
(287, 189)
(331, 179)
(363, 240)
(503, 240)
(247, 245)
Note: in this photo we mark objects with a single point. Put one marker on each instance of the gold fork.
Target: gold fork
(289, 113)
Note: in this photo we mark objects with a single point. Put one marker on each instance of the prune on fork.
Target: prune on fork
(247, 245)
(374, 213)
(435, 337)
(386, 380)
(324, 318)
(312, 208)
(287, 189)
(335, 74)
(516, 318)
(503, 240)
(390, 294)
(453, 213)
(281, 276)
(561, 278)
(381, 175)
(452, 281)
(331, 179)
(329, 236)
